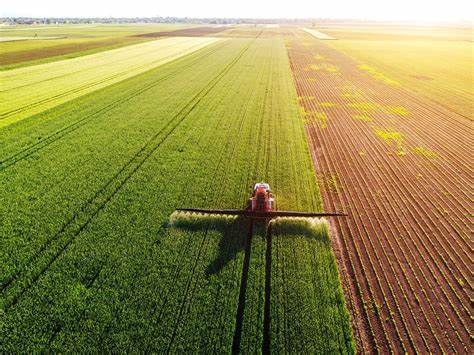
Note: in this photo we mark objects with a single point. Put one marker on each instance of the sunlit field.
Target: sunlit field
(111, 136)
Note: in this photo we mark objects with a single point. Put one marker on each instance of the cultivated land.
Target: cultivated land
(446, 76)
(33, 89)
(88, 259)
(56, 42)
(89, 180)
(401, 165)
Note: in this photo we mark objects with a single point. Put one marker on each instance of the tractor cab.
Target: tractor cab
(262, 198)
(261, 185)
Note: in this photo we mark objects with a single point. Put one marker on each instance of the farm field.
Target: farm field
(398, 159)
(88, 259)
(33, 89)
(446, 78)
(57, 42)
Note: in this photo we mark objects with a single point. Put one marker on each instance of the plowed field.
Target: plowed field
(186, 32)
(401, 166)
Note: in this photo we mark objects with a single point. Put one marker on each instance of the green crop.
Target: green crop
(34, 89)
(53, 43)
(195, 221)
(311, 227)
(89, 262)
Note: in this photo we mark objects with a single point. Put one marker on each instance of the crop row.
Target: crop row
(51, 188)
(104, 270)
(391, 216)
(34, 89)
(173, 167)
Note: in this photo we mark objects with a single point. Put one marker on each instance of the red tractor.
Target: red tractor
(262, 198)
(261, 206)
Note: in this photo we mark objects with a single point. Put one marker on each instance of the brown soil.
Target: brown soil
(185, 32)
(62, 49)
(422, 77)
(403, 168)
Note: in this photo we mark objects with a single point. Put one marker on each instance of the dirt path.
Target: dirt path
(401, 166)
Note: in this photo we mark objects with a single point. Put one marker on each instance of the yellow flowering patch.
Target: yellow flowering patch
(399, 110)
(424, 152)
(363, 106)
(378, 75)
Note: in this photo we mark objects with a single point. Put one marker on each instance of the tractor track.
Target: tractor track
(406, 305)
(81, 219)
(267, 303)
(242, 294)
(241, 304)
(44, 142)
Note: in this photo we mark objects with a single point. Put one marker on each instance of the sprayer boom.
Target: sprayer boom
(262, 214)
(260, 206)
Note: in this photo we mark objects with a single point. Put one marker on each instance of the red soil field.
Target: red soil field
(185, 32)
(401, 167)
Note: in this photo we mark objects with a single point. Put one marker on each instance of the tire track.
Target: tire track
(267, 302)
(242, 294)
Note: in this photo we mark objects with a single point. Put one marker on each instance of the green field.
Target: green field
(88, 259)
(33, 89)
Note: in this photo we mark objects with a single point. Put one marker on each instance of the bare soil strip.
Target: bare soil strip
(62, 49)
(185, 32)
(401, 167)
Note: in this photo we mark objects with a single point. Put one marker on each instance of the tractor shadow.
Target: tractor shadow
(234, 235)
(233, 241)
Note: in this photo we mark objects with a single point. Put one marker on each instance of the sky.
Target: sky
(392, 10)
